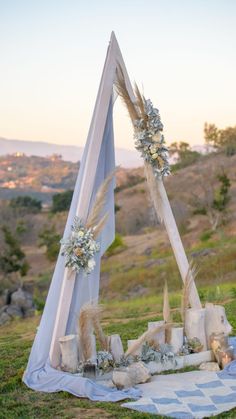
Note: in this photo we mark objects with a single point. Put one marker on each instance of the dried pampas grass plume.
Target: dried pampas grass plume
(86, 330)
(124, 94)
(89, 322)
(146, 337)
(98, 206)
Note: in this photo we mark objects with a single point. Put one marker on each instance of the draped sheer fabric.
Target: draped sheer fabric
(39, 375)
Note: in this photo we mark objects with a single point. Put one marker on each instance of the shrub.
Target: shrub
(61, 201)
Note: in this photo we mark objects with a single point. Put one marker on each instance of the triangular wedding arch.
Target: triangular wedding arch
(69, 291)
(113, 63)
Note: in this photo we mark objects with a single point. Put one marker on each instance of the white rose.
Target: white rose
(81, 233)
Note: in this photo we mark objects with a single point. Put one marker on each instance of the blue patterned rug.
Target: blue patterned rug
(196, 394)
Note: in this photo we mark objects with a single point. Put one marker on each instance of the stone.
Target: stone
(4, 318)
(122, 379)
(139, 373)
(14, 311)
(209, 366)
(116, 347)
(22, 299)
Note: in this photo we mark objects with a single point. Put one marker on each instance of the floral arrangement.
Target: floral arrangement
(80, 248)
(148, 128)
(150, 141)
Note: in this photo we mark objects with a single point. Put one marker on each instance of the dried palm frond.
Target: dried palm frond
(86, 330)
(124, 94)
(146, 337)
(166, 304)
(154, 192)
(188, 283)
(98, 206)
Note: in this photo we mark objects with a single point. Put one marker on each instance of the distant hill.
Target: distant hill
(124, 158)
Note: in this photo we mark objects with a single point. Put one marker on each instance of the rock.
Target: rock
(203, 253)
(14, 311)
(139, 373)
(116, 347)
(4, 318)
(23, 299)
(122, 379)
(209, 366)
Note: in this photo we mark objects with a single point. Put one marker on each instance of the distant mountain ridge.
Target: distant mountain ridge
(125, 158)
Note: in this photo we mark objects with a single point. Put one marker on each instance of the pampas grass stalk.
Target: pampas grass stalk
(98, 206)
(146, 337)
(86, 330)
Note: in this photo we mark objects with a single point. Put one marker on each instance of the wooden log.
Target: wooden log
(216, 321)
(116, 347)
(69, 353)
(176, 242)
(159, 338)
(195, 325)
(177, 338)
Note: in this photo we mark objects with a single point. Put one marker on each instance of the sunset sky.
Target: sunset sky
(182, 53)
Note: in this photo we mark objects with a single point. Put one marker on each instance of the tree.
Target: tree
(26, 203)
(224, 139)
(61, 201)
(51, 240)
(213, 201)
(12, 257)
(186, 156)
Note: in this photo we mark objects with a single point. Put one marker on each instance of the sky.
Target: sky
(182, 54)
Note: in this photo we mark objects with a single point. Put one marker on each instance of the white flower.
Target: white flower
(154, 156)
(91, 264)
(80, 233)
(92, 246)
(153, 149)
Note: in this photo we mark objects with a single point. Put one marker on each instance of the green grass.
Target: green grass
(17, 401)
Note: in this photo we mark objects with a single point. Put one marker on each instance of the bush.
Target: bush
(116, 246)
(26, 202)
(62, 201)
(206, 235)
(51, 240)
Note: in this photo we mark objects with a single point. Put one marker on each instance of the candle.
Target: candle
(226, 356)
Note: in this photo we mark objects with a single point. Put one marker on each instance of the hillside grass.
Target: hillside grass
(129, 319)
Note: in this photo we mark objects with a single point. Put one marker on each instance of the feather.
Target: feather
(124, 94)
(154, 192)
(166, 304)
(146, 337)
(191, 275)
(99, 203)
